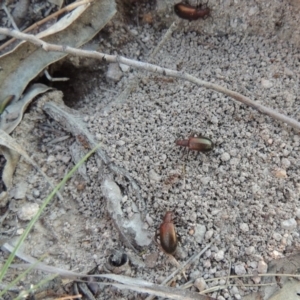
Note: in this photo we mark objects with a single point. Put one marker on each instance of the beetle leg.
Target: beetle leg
(184, 152)
(156, 237)
(193, 134)
(188, 154)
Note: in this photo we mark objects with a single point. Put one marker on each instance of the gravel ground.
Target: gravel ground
(243, 196)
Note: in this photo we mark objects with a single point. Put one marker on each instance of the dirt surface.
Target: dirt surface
(243, 195)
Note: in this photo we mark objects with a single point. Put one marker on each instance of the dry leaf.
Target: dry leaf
(26, 61)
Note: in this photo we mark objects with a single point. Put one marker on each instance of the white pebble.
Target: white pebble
(51, 159)
(20, 190)
(266, 83)
(288, 72)
(28, 211)
(253, 10)
(289, 224)
(285, 162)
(200, 231)
(256, 279)
(114, 72)
(154, 176)
(219, 255)
(207, 264)
(35, 193)
(262, 267)
(120, 143)
(277, 236)
(239, 270)
(124, 68)
(200, 284)
(252, 264)
(20, 231)
(209, 234)
(225, 156)
(250, 250)
(214, 120)
(149, 220)
(244, 227)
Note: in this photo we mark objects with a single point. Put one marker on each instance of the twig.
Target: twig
(155, 69)
(11, 19)
(163, 40)
(56, 14)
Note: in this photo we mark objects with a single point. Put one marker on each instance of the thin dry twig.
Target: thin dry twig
(11, 19)
(69, 297)
(167, 35)
(54, 15)
(155, 69)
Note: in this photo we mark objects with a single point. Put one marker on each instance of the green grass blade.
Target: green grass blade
(44, 204)
(21, 276)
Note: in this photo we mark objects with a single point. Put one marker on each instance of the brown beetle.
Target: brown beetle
(191, 13)
(168, 237)
(200, 143)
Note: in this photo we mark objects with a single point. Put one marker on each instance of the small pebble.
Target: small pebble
(124, 68)
(297, 213)
(200, 231)
(252, 264)
(256, 279)
(250, 250)
(225, 156)
(289, 224)
(20, 231)
(20, 190)
(219, 255)
(114, 72)
(35, 193)
(266, 83)
(285, 162)
(200, 284)
(277, 236)
(262, 267)
(239, 270)
(244, 227)
(209, 234)
(288, 72)
(27, 211)
(149, 220)
(280, 173)
(154, 176)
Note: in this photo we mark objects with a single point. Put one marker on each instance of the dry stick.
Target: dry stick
(152, 68)
(11, 19)
(54, 15)
(164, 39)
